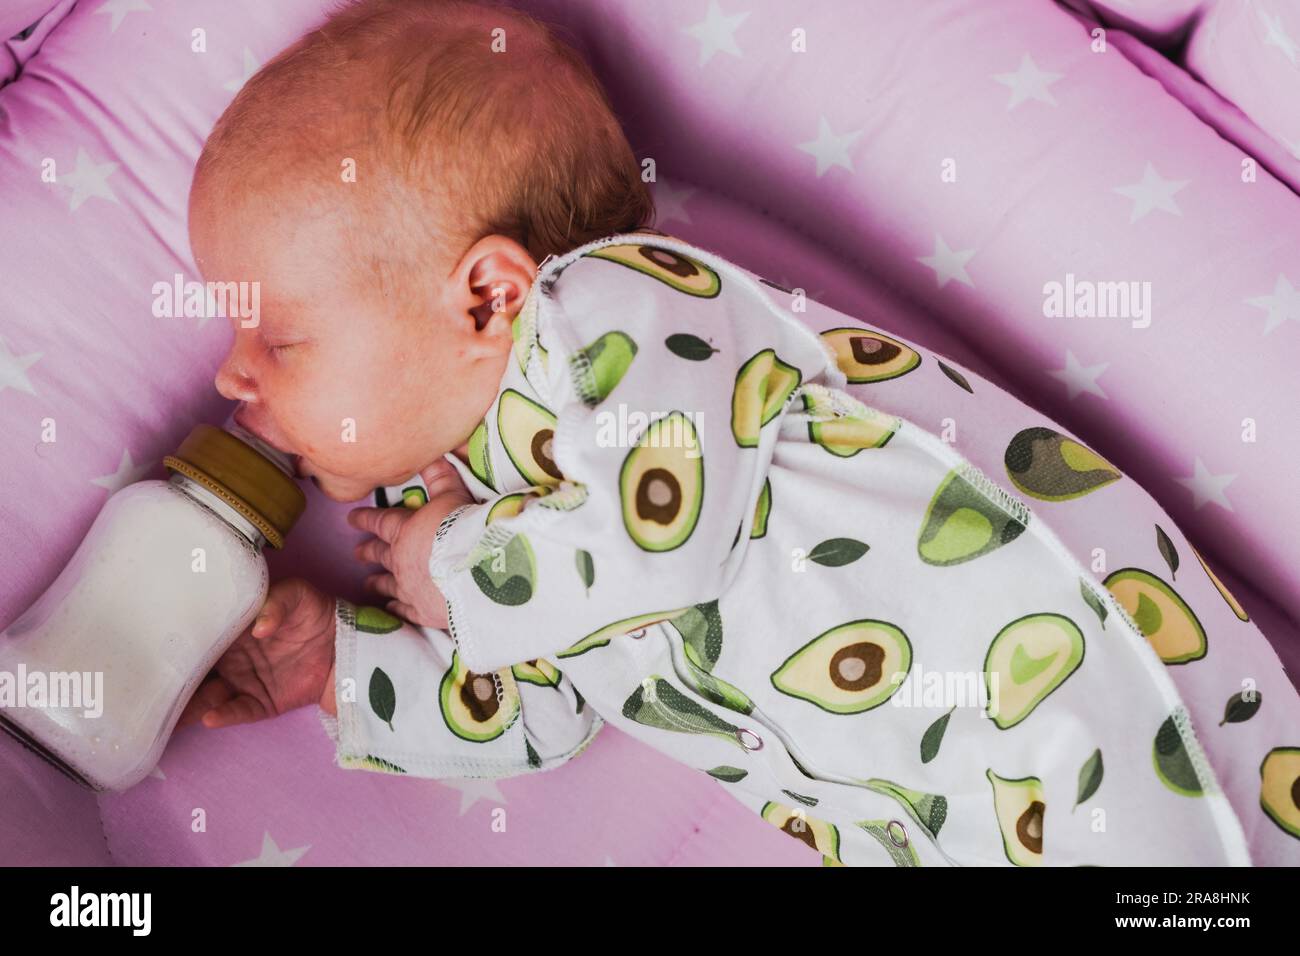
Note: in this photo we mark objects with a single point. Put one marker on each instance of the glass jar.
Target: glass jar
(168, 576)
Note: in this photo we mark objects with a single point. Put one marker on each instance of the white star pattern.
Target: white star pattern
(1028, 83)
(88, 180)
(670, 202)
(829, 148)
(1277, 36)
(473, 790)
(1283, 304)
(716, 32)
(1206, 487)
(250, 67)
(120, 8)
(947, 264)
(272, 855)
(128, 472)
(1152, 192)
(1080, 378)
(13, 369)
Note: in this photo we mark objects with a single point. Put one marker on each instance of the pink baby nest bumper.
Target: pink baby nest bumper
(928, 169)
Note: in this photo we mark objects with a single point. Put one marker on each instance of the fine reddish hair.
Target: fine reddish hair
(452, 139)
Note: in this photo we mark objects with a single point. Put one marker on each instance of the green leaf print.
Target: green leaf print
(1093, 601)
(1090, 775)
(728, 774)
(1241, 707)
(1173, 763)
(383, 697)
(690, 347)
(806, 801)
(533, 759)
(837, 552)
(1167, 551)
(934, 737)
(955, 376)
(586, 568)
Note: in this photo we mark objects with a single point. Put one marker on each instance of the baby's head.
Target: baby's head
(391, 181)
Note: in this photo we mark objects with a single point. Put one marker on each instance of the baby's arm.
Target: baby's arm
(407, 704)
(660, 414)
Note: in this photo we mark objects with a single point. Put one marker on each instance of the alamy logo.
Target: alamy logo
(210, 300)
(63, 690)
(103, 909)
(1085, 299)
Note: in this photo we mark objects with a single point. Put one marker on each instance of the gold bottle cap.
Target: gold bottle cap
(243, 478)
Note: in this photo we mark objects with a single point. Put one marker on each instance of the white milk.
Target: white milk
(142, 605)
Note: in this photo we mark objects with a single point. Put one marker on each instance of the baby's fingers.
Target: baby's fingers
(241, 710)
(212, 693)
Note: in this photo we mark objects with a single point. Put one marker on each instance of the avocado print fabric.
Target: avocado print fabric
(895, 612)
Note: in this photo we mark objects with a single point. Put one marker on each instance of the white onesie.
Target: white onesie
(721, 524)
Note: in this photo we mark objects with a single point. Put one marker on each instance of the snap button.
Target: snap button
(744, 735)
(895, 835)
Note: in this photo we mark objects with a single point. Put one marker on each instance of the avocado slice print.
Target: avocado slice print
(470, 706)
(507, 506)
(866, 356)
(526, 430)
(1160, 613)
(373, 620)
(414, 497)
(846, 435)
(1020, 806)
(818, 834)
(479, 461)
(610, 631)
(961, 524)
(929, 810)
(1047, 465)
(662, 484)
(763, 384)
(508, 576)
(1031, 657)
(1279, 792)
(1237, 609)
(762, 510)
(657, 703)
(848, 669)
(1173, 764)
(603, 364)
(671, 268)
(523, 332)
(892, 835)
(540, 672)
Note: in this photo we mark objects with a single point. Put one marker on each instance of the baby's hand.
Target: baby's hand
(402, 543)
(284, 660)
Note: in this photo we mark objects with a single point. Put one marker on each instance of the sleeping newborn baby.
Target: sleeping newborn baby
(638, 485)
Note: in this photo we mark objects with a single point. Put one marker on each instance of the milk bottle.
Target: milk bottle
(100, 668)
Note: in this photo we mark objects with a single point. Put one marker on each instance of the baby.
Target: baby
(649, 489)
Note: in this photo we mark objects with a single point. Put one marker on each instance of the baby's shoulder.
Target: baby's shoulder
(644, 289)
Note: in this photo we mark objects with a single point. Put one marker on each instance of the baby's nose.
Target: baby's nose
(232, 381)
